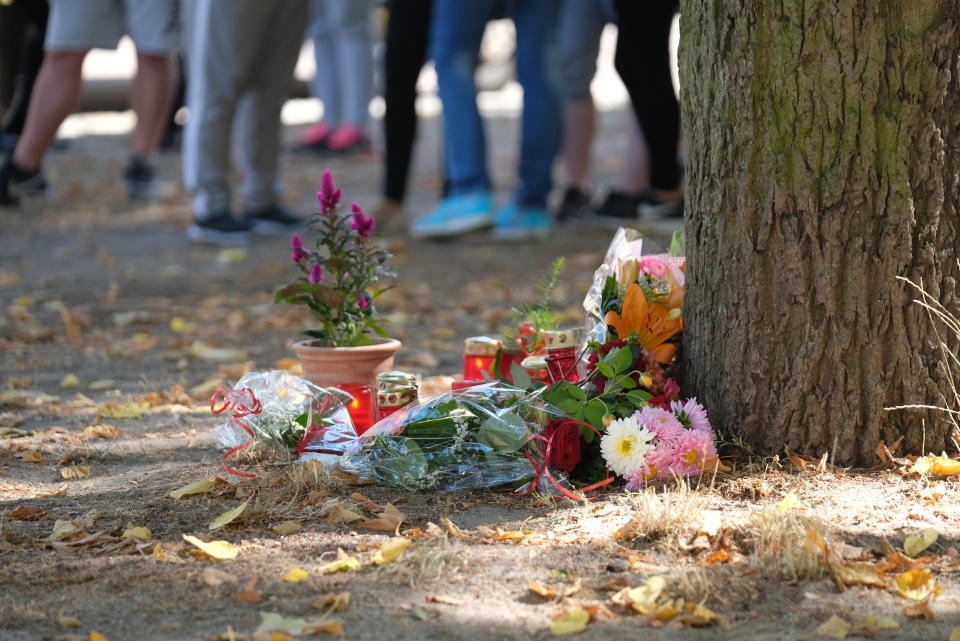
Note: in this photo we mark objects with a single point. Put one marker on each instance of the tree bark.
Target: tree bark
(823, 150)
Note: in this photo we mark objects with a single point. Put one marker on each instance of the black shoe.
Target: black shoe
(575, 204)
(220, 229)
(18, 184)
(274, 220)
(619, 208)
(139, 178)
(652, 208)
(8, 142)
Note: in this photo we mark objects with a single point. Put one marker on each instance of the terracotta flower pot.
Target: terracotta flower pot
(328, 366)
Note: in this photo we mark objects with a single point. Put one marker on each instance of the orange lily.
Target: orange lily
(654, 323)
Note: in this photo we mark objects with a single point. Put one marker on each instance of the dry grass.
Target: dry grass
(426, 564)
(670, 515)
(777, 544)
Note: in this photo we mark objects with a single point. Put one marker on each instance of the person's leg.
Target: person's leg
(643, 62)
(355, 73)
(456, 29)
(408, 29)
(326, 83)
(13, 23)
(526, 217)
(150, 99)
(31, 59)
(259, 118)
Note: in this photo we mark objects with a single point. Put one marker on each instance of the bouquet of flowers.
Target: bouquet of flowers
(472, 438)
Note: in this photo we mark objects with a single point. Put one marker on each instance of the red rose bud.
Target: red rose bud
(564, 437)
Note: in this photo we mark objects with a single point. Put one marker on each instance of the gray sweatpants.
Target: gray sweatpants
(240, 65)
(341, 42)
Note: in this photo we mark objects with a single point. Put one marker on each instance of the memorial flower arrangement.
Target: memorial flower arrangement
(338, 273)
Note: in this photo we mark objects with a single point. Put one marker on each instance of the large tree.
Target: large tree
(823, 148)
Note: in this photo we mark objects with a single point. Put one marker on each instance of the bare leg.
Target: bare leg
(54, 96)
(150, 98)
(579, 125)
(636, 165)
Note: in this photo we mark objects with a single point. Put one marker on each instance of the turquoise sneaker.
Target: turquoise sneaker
(456, 215)
(515, 223)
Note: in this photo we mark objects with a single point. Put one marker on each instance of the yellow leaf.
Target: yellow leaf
(272, 622)
(227, 516)
(285, 527)
(142, 533)
(62, 529)
(835, 628)
(101, 430)
(214, 577)
(33, 456)
(333, 628)
(643, 598)
(386, 522)
(296, 575)
(128, 410)
(570, 622)
(232, 255)
(913, 545)
(665, 611)
(542, 589)
(344, 563)
(69, 622)
(788, 503)
(332, 600)
(699, 615)
(69, 381)
(181, 326)
(102, 385)
(75, 472)
(220, 550)
(880, 623)
(391, 550)
(955, 634)
(216, 354)
(340, 514)
(858, 574)
(280, 636)
(917, 585)
(96, 636)
(919, 610)
(161, 556)
(197, 487)
(941, 465)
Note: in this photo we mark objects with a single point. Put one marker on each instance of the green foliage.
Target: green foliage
(540, 312)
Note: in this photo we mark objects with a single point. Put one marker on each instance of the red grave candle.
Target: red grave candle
(562, 354)
(459, 385)
(360, 408)
(479, 353)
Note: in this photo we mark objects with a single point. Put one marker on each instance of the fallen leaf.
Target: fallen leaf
(444, 600)
(69, 381)
(698, 615)
(917, 585)
(23, 513)
(295, 575)
(125, 410)
(919, 610)
(333, 628)
(216, 354)
(142, 533)
(96, 636)
(181, 326)
(418, 614)
(197, 487)
(343, 563)
(249, 594)
(231, 255)
(942, 465)
(720, 556)
(75, 472)
(340, 514)
(272, 622)
(63, 490)
(62, 529)
(102, 385)
(285, 527)
(955, 634)
(542, 589)
(32, 456)
(570, 622)
(227, 517)
(366, 503)
(214, 577)
(915, 544)
(788, 503)
(873, 623)
(453, 529)
(220, 550)
(332, 600)
(386, 522)
(391, 550)
(835, 628)
(160, 555)
(69, 622)
(857, 574)
(101, 430)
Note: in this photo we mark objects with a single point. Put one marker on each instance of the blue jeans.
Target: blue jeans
(456, 30)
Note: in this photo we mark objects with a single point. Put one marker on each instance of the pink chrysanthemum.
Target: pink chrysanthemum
(661, 422)
(693, 446)
(655, 466)
(653, 266)
(692, 414)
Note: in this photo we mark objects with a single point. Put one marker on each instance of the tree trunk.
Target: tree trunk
(823, 150)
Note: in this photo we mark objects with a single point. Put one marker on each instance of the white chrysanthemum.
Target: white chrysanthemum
(625, 445)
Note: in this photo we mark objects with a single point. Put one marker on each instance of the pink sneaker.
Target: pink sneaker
(348, 138)
(316, 137)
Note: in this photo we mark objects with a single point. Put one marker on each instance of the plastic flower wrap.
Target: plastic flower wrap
(289, 407)
(477, 437)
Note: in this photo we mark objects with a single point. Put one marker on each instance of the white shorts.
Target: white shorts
(80, 25)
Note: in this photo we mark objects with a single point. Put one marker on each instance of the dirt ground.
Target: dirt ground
(113, 299)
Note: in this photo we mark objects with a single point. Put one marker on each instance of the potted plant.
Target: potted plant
(337, 275)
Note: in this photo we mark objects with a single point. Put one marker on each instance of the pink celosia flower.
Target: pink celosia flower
(316, 274)
(296, 249)
(328, 196)
(691, 414)
(361, 224)
(653, 266)
(362, 301)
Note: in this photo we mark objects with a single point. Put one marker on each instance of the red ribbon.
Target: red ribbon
(242, 402)
(542, 471)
